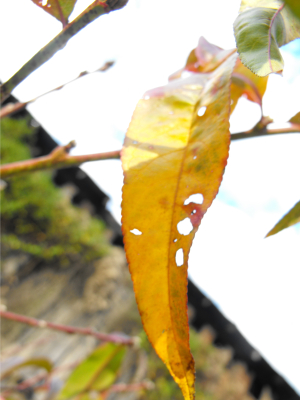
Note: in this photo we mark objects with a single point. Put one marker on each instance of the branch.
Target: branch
(12, 108)
(129, 387)
(114, 338)
(294, 128)
(94, 11)
(58, 158)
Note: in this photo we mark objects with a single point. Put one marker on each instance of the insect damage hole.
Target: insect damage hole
(136, 231)
(179, 258)
(185, 227)
(201, 111)
(194, 198)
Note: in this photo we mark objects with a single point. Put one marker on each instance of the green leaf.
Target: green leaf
(60, 9)
(294, 6)
(35, 362)
(260, 29)
(295, 119)
(97, 372)
(289, 219)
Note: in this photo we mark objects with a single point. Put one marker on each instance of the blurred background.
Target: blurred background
(253, 281)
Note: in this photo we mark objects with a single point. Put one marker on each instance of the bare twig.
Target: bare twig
(12, 108)
(128, 387)
(58, 158)
(104, 337)
(294, 128)
(95, 10)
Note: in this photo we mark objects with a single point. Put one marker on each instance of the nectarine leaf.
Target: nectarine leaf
(174, 156)
(295, 119)
(97, 372)
(294, 6)
(206, 57)
(289, 219)
(60, 9)
(245, 83)
(261, 27)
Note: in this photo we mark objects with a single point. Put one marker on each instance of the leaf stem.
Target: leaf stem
(114, 338)
(58, 158)
(96, 9)
(11, 108)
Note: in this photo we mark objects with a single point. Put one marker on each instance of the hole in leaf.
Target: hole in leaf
(194, 198)
(201, 111)
(195, 157)
(193, 212)
(185, 227)
(175, 240)
(179, 258)
(136, 231)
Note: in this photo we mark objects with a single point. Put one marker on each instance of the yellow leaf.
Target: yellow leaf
(174, 156)
(206, 57)
(244, 82)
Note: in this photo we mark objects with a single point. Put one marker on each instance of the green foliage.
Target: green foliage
(36, 362)
(98, 372)
(37, 218)
(294, 6)
(289, 219)
(260, 29)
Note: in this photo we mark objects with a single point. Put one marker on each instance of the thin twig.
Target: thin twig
(104, 337)
(128, 387)
(294, 128)
(58, 158)
(12, 108)
(95, 10)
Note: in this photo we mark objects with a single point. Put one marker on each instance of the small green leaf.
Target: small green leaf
(97, 372)
(35, 362)
(295, 119)
(289, 219)
(260, 29)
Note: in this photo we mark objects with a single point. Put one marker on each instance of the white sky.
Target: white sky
(254, 281)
